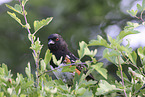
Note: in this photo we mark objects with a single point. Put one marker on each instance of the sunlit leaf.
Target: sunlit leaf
(132, 12)
(122, 34)
(56, 62)
(104, 88)
(39, 24)
(102, 71)
(1, 94)
(43, 65)
(139, 7)
(13, 15)
(134, 57)
(31, 37)
(80, 91)
(68, 68)
(17, 8)
(27, 84)
(125, 78)
(47, 57)
(24, 2)
(28, 71)
(87, 93)
(22, 95)
(10, 90)
(136, 75)
(143, 4)
(112, 56)
(36, 46)
(81, 52)
(141, 52)
(99, 41)
(5, 68)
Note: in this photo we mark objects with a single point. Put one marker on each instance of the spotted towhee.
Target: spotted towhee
(59, 48)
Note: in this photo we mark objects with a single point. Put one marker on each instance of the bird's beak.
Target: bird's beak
(51, 42)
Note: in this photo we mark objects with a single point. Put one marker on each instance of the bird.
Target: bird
(59, 48)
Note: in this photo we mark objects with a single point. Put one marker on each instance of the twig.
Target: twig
(32, 41)
(82, 63)
(133, 64)
(121, 76)
(141, 16)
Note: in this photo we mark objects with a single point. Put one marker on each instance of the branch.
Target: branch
(82, 63)
(32, 41)
(121, 75)
(141, 72)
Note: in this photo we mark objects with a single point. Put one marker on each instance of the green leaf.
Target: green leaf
(102, 71)
(122, 34)
(31, 37)
(133, 57)
(27, 26)
(36, 46)
(139, 7)
(99, 41)
(22, 95)
(47, 57)
(43, 65)
(84, 50)
(112, 56)
(39, 24)
(17, 8)
(90, 53)
(80, 91)
(56, 62)
(26, 85)
(5, 68)
(132, 12)
(10, 90)
(87, 93)
(68, 69)
(81, 52)
(1, 94)
(125, 78)
(28, 71)
(105, 88)
(143, 4)
(24, 2)
(131, 26)
(141, 52)
(137, 76)
(13, 15)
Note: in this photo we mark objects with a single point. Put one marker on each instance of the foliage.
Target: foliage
(41, 84)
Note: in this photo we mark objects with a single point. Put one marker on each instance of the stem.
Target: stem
(63, 66)
(141, 16)
(32, 41)
(141, 72)
(122, 76)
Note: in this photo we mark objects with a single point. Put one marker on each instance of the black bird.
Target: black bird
(59, 48)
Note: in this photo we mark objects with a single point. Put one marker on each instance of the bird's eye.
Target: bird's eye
(57, 39)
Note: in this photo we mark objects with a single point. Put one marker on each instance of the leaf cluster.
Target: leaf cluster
(41, 84)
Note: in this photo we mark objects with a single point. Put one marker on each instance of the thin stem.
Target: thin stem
(32, 41)
(27, 23)
(141, 16)
(133, 64)
(122, 76)
(82, 63)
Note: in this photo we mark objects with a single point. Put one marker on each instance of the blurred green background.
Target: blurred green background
(75, 20)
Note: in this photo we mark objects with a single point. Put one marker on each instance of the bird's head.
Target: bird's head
(55, 42)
